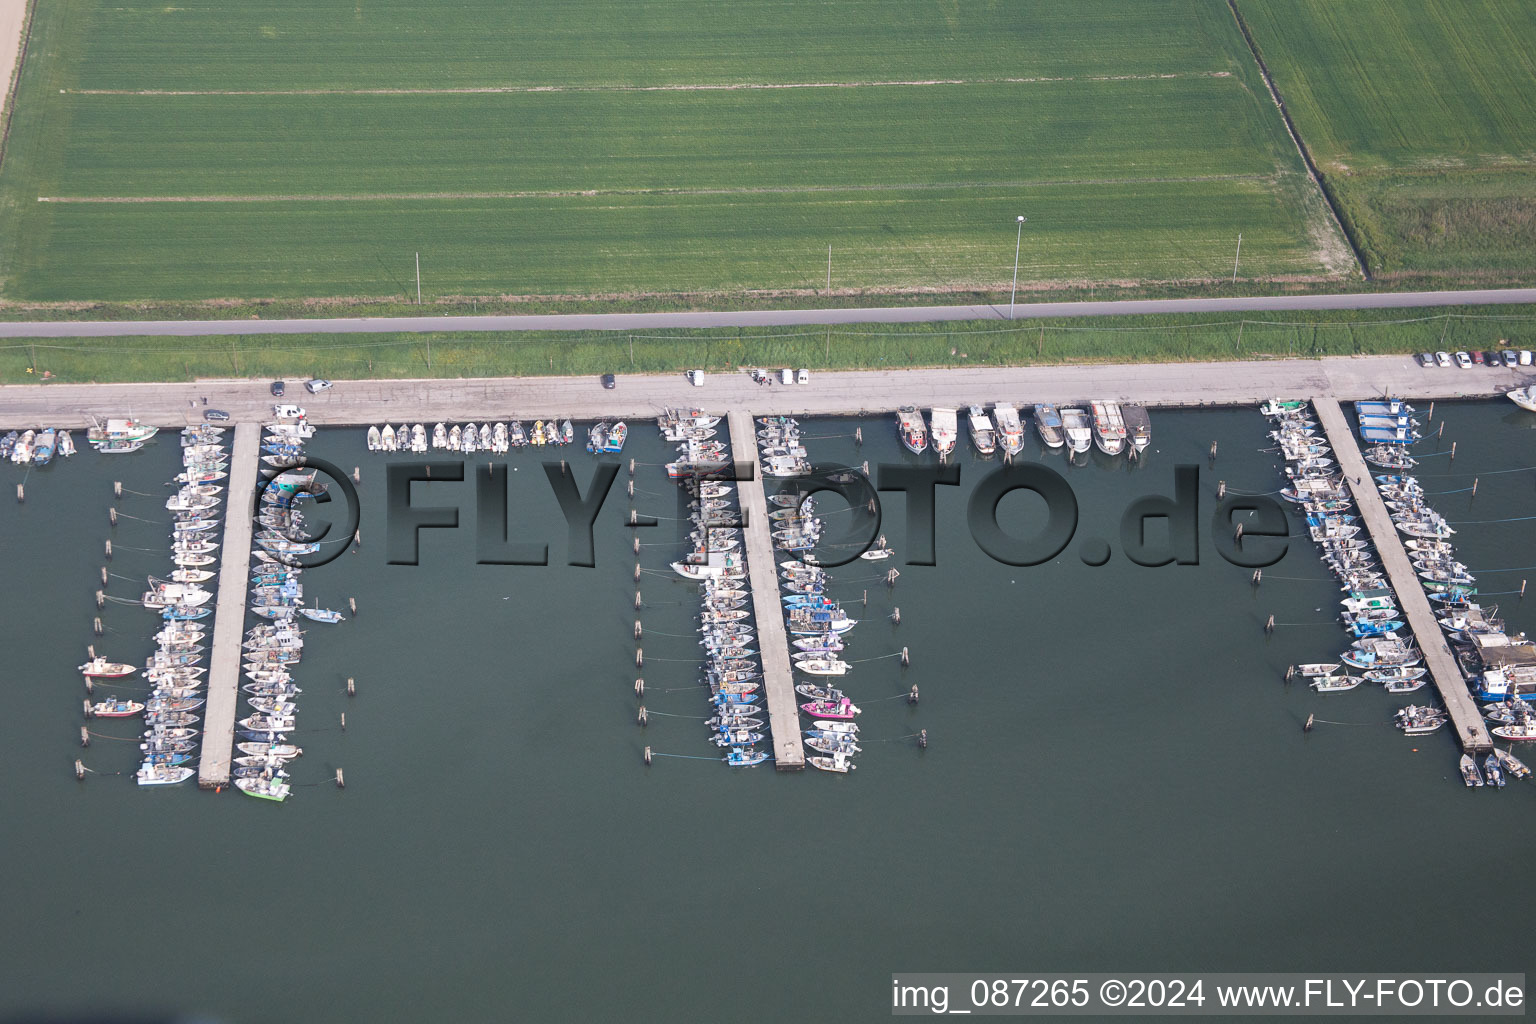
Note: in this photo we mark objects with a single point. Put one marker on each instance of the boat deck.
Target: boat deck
(762, 571)
(229, 611)
(1471, 730)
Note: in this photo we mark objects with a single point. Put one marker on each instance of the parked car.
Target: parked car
(1425, 359)
(609, 382)
(1525, 357)
(786, 376)
(696, 378)
(1442, 359)
(1491, 359)
(316, 386)
(1511, 357)
(1477, 358)
(1463, 360)
(802, 376)
(277, 389)
(215, 415)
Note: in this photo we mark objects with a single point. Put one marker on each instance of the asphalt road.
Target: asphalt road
(758, 318)
(375, 401)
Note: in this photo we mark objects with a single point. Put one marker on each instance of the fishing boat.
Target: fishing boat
(1138, 426)
(943, 428)
(1317, 668)
(1010, 430)
(823, 666)
(1395, 674)
(732, 736)
(840, 763)
(816, 691)
(181, 702)
(1511, 764)
(909, 426)
(841, 710)
(283, 750)
(836, 728)
(152, 774)
(114, 707)
(1420, 721)
(264, 788)
(1335, 684)
(740, 757)
(983, 435)
(1493, 772)
(1469, 773)
(1048, 424)
(101, 668)
(112, 447)
(1518, 731)
(66, 444)
(832, 744)
(121, 430)
(1108, 427)
(321, 614)
(1078, 430)
(42, 447)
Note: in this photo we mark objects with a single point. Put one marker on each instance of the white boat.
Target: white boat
(440, 436)
(163, 774)
(1108, 427)
(1074, 422)
(983, 435)
(838, 762)
(812, 665)
(1524, 397)
(1010, 429)
(264, 788)
(944, 428)
(374, 439)
(909, 425)
(1335, 684)
(1139, 426)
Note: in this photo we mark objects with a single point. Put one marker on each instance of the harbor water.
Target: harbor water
(1116, 779)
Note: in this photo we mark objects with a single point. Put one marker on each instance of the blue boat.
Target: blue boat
(182, 613)
(1374, 628)
(733, 698)
(741, 757)
(42, 448)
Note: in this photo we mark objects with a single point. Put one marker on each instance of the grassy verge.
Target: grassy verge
(987, 343)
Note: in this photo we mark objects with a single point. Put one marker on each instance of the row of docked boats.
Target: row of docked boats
(36, 447)
(1113, 428)
(1369, 609)
(817, 625)
(700, 452)
(175, 670)
(498, 438)
(714, 559)
(272, 649)
(780, 448)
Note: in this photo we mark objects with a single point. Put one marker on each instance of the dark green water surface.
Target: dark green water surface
(1117, 777)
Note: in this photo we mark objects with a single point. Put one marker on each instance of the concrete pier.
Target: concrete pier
(763, 573)
(1470, 728)
(229, 611)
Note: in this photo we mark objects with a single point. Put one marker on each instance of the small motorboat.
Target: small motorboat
(1511, 764)
(840, 728)
(1335, 684)
(822, 666)
(114, 707)
(818, 692)
(283, 750)
(843, 710)
(1469, 773)
(153, 774)
(838, 762)
(837, 744)
(321, 614)
(101, 668)
(742, 757)
(1317, 668)
(1493, 772)
(264, 787)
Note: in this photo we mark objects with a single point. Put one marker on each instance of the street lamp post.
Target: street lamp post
(1016, 245)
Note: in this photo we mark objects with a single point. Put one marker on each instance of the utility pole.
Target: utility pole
(829, 270)
(1237, 257)
(1016, 244)
(418, 279)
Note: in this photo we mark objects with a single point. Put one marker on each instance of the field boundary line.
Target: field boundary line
(13, 80)
(363, 197)
(1301, 147)
(472, 90)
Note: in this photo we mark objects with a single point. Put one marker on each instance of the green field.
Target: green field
(1164, 338)
(1421, 114)
(608, 149)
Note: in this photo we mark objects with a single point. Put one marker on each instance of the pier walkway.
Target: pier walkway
(762, 571)
(229, 612)
(1471, 730)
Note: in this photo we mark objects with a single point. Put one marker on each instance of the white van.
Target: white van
(802, 376)
(786, 376)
